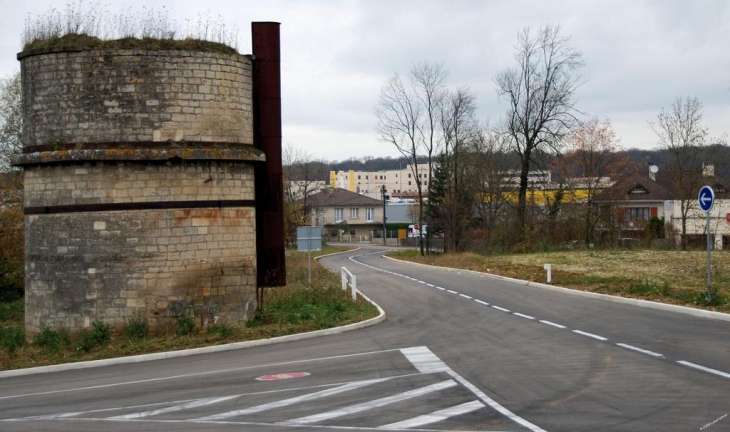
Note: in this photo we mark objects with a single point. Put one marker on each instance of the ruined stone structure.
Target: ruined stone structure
(139, 187)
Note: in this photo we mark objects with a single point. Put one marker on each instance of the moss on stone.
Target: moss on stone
(86, 42)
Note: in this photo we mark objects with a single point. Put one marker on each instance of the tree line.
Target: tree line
(541, 129)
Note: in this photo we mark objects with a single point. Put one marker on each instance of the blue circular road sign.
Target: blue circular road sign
(706, 198)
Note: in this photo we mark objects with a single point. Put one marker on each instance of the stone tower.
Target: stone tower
(140, 192)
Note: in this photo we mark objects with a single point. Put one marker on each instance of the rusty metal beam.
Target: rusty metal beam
(270, 258)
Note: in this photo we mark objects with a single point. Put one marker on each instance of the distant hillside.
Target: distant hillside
(719, 155)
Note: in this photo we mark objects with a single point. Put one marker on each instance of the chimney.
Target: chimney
(653, 169)
(708, 170)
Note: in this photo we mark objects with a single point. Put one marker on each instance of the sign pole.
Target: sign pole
(706, 199)
(709, 260)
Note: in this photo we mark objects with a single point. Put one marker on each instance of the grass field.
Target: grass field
(676, 277)
(298, 307)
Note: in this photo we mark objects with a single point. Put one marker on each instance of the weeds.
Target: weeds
(137, 328)
(52, 339)
(224, 332)
(12, 338)
(93, 26)
(185, 326)
(99, 334)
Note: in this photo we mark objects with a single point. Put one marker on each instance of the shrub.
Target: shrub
(185, 325)
(98, 334)
(137, 328)
(11, 338)
(51, 339)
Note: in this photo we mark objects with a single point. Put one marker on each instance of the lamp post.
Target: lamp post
(382, 191)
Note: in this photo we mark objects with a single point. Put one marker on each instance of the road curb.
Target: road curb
(203, 350)
(615, 299)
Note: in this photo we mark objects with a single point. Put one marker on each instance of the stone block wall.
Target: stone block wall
(139, 188)
(136, 96)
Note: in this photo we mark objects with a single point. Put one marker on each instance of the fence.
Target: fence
(349, 279)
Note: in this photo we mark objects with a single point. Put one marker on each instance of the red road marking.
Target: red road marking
(282, 376)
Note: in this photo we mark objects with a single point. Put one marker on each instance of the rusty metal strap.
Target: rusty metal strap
(160, 205)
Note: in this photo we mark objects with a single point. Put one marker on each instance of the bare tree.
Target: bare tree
(491, 191)
(540, 92)
(461, 135)
(11, 120)
(429, 81)
(400, 118)
(682, 134)
(593, 156)
(303, 176)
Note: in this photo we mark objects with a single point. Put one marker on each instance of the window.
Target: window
(354, 213)
(409, 182)
(367, 177)
(638, 189)
(339, 214)
(370, 214)
(636, 214)
(409, 175)
(358, 176)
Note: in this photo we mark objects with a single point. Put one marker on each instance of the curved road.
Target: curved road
(459, 351)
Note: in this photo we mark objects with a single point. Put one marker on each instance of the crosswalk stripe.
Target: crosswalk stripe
(181, 407)
(290, 401)
(435, 416)
(352, 409)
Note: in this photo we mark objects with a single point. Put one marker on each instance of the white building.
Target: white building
(370, 183)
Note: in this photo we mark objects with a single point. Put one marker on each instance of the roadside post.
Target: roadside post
(309, 238)
(706, 199)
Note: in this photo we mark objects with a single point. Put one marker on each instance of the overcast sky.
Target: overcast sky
(640, 56)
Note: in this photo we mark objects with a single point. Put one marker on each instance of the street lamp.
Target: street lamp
(382, 191)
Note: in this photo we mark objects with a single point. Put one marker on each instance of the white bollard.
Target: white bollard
(548, 267)
(354, 287)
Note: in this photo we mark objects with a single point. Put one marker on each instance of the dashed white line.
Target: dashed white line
(501, 308)
(442, 289)
(466, 296)
(590, 335)
(481, 302)
(705, 369)
(451, 291)
(431, 285)
(641, 350)
(524, 316)
(553, 324)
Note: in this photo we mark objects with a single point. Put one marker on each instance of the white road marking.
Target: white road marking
(221, 371)
(641, 350)
(352, 409)
(590, 335)
(442, 289)
(466, 296)
(524, 316)
(431, 285)
(424, 360)
(435, 416)
(422, 355)
(451, 291)
(290, 401)
(705, 369)
(181, 407)
(481, 302)
(553, 324)
(501, 308)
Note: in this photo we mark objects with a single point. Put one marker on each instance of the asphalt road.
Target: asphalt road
(459, 351)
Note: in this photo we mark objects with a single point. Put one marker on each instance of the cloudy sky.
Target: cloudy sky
(640, 56)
